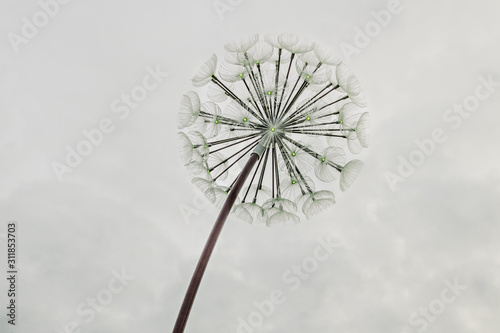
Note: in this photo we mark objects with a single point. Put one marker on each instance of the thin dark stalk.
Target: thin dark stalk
(187, 304)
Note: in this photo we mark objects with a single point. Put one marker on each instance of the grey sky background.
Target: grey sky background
(121, 207)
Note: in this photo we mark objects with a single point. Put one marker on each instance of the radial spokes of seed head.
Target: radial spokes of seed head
(314, 112)
(311, 73)
(294, 101)
(297, 158)
(218, 164)
(258, 193)
(239, 115)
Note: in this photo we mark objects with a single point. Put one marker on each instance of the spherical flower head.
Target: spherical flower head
(294, 103)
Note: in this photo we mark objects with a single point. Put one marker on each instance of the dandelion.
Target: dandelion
(282, 118)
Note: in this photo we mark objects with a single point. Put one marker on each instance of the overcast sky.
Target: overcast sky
(127, 208)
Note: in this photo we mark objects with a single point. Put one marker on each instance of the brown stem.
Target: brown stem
(182, 318)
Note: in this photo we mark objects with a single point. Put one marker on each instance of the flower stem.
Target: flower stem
(187, 304)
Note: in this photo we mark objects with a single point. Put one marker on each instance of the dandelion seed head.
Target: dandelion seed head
(294, 99)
